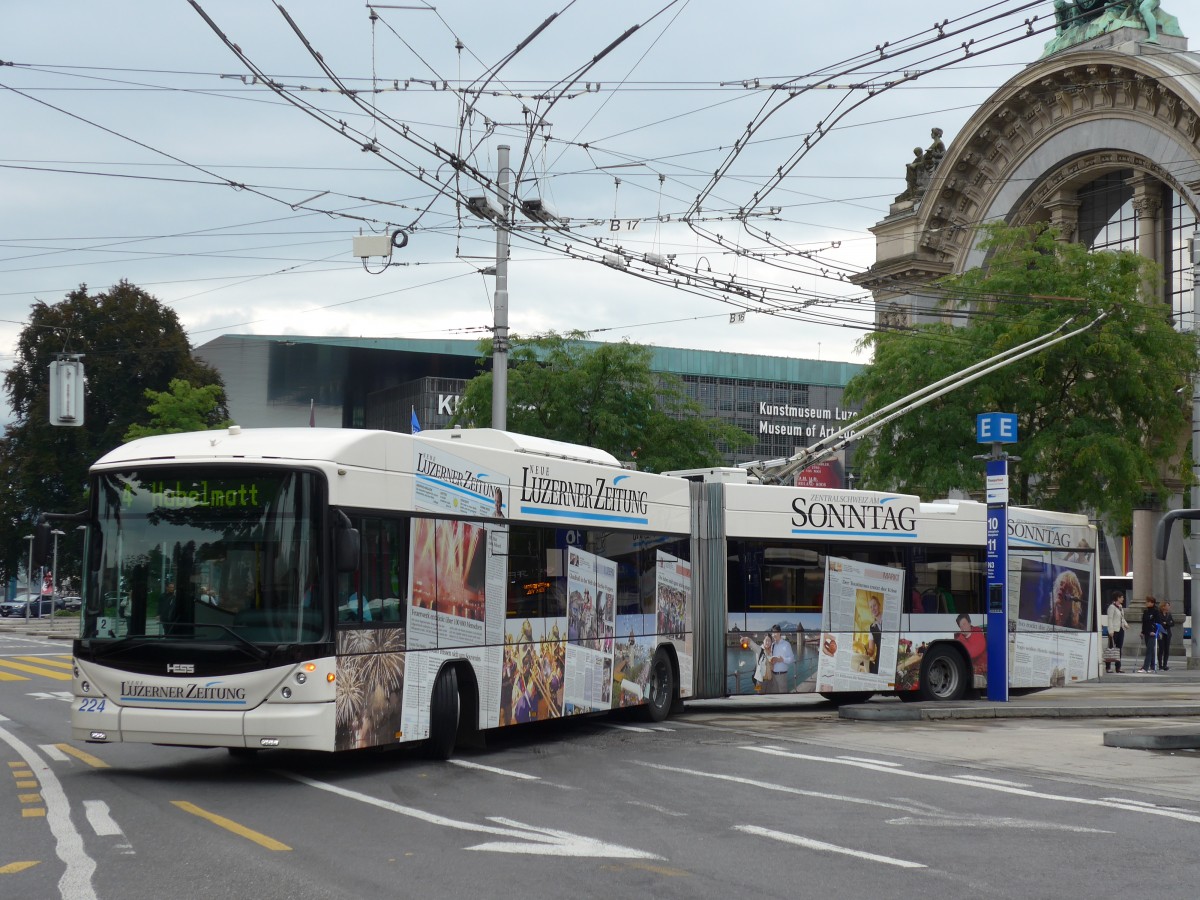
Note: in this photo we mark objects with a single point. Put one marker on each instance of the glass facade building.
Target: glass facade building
(276, 380)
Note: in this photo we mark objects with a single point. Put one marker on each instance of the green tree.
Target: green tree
(605, 396)
(1102, 417)
(182, 407)
(130, 343)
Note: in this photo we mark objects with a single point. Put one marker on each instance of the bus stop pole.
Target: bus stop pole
(1193, 543)
(997, 577)
(997, 429)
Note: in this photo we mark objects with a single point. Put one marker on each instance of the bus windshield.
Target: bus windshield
(205, 553)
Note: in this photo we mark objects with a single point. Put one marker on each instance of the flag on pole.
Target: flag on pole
(416, 426)
(312, 413)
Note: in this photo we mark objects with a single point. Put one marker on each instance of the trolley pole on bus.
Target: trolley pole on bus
(997, 429)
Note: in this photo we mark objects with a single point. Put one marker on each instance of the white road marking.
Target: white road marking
(470, 765)
(657, 809)
(966, 821)
(780, 788)
(1109, 803)
(984, 780)
(99, 818)
(1144, 803)
(637, 728)
(76, 880)
(828, 848)
(560, 843)
(878, 762)
(54, 753)
(527, 838)
(65, 696)
(1131, 802)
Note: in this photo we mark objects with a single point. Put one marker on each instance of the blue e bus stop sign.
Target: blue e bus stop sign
(996, 429)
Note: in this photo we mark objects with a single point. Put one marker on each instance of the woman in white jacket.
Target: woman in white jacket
(1116, 628)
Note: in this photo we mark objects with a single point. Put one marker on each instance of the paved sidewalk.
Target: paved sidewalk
(59, 628)
(1175, 693)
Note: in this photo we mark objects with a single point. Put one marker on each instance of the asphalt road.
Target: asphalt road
(725, 800)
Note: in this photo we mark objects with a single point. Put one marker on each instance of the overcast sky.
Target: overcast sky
(138, 145)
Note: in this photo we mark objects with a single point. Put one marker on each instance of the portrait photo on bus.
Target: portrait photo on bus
(1055, 593)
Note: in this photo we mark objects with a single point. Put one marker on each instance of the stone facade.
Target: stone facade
(1116, 104)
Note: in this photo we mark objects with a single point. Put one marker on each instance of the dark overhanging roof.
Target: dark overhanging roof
(675, 360)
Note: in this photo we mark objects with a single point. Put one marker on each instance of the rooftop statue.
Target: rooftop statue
(919, 172)
(1083, 20)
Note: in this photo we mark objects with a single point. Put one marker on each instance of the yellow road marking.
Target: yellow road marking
(26, 784)
(34, 670)
(17, 764)
(94, 761)
(9, 676)
(48, 661)
(22, 773)
(29, 798)
(229, 825)
(14, 867)
(33, 813)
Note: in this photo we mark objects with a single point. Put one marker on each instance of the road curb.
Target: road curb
(912, 712)
(1154, 739)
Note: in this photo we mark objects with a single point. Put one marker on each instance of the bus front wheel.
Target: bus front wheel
(443, 715)
(661, 691)
(943, 675)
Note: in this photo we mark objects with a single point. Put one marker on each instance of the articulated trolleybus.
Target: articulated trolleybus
(337, 589)
(334, 589)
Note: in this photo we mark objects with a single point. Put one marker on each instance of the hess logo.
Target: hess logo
(180, 669)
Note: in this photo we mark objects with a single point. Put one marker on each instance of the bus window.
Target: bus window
(774, 582)
(376, 592)
(947, 582)
(536, 573)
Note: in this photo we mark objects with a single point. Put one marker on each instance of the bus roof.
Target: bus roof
(495, 439)
(350, 446)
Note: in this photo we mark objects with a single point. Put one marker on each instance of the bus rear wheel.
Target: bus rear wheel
(443, 715)
(943, 675)
(662, 690)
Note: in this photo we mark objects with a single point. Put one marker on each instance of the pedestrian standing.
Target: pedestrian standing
(1150, 623)
(1166, 623)
(1117, 624)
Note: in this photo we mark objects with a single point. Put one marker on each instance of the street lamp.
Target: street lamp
(54, 573)
(29, 578)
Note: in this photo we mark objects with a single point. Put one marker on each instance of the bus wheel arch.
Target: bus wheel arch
(945, 673)
(662, 690)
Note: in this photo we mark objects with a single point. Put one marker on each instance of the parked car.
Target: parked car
(70, 602)
(37, 607)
